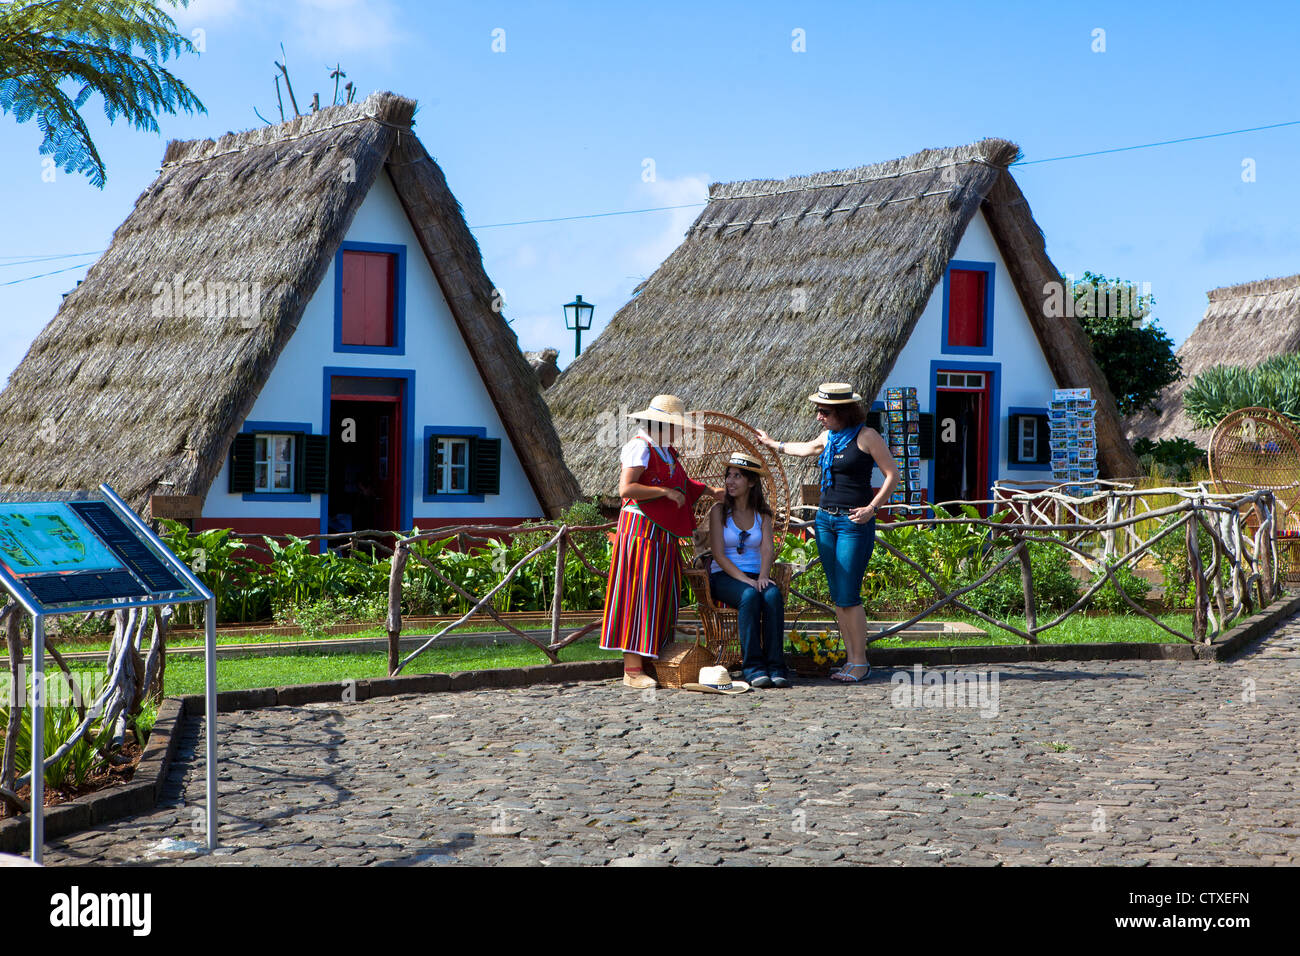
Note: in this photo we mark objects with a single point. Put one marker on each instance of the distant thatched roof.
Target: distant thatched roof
(1243, 325)
(813, 278)
(111, 391)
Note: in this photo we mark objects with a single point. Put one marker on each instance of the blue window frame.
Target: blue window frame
(399, 298)
(432, 432)
(1042, 438)
(276, 428)
(988, 268)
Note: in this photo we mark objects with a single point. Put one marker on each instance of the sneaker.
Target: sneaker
(762, 680)
(781, 681)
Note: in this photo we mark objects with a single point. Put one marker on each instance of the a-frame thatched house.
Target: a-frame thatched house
(293, 324)
(927, 271)
(1243, 325)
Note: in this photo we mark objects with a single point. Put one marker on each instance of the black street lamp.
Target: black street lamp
(577, 316)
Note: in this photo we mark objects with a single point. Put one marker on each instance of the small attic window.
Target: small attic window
(968, 308)
(369, 294)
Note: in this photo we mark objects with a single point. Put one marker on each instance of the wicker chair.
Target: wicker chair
(705, 457)
(1254, 449)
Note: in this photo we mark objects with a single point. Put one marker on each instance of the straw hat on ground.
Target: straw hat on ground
(834, 393)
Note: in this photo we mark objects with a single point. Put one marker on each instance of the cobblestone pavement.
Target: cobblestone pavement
(1083, 763)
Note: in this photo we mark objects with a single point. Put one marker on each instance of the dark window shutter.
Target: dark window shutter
(485, 466)
(314, 470)
(242, 451)
(1013, 439)
(927, 435)
(431, 466)
(1044, 441)
(873, 420)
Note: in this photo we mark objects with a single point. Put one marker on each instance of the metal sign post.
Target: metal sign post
(87, 553)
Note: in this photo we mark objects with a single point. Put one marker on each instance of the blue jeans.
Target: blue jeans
(845, 548)
(761, 624)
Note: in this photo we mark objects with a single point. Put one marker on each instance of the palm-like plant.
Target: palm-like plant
(93, 43)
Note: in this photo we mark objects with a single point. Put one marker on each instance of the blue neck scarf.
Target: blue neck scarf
(836, 442)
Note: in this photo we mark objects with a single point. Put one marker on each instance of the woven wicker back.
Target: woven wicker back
(1254, 449)
(706, 453)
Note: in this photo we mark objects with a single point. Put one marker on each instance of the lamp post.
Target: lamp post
(577, 316)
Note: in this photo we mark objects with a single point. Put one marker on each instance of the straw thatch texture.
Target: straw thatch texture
(783, 284)
(1243, 325)
(113, 391)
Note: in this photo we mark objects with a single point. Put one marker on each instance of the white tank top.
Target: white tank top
(752, 560)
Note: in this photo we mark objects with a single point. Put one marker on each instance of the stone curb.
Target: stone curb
(113, 803)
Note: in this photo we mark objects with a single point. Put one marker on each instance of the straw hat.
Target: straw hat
(744, 461)
(834, 393)
(665, 408)
(717, 680)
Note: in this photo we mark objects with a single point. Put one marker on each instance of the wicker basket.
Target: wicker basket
(680, 662)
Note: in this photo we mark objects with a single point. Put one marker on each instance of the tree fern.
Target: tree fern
(93, 43)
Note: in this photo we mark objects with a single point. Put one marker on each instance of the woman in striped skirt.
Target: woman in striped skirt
(645, 569)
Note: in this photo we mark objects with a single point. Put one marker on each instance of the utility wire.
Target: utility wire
(594, 215)
(84, 265)
(23, 260)
(1164, 142)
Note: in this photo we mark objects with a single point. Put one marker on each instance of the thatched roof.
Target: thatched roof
(109, 391)
(1243, 325)
(860, 250)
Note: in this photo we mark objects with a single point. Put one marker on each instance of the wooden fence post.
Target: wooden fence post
(400, 554)
(1027, 582)
(560, 549)
(1266, 578)
(1201, 609)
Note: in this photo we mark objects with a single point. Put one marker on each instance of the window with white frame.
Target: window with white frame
(1028, 438)
(273, 463)
(451, 466)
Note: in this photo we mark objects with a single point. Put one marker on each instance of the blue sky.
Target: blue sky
(562, 122)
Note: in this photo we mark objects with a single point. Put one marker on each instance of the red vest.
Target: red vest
(678, 520)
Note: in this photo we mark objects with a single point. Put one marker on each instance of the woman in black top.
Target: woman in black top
(846, 520)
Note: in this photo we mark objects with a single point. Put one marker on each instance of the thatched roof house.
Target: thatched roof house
(1243, 325)
(236, 290)
(782, 284)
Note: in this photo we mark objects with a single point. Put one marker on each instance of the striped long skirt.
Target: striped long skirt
(644, 580)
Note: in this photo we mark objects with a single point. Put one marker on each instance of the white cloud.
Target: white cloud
(340, 26)
(201, 13)
(647, 256)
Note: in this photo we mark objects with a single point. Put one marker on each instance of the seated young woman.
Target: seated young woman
(740, 534)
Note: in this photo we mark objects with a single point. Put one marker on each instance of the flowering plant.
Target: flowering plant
(824, 648)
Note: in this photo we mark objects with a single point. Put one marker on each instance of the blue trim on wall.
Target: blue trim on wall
(276, 428)
(407, 439)
(996, 421)
(989, 269)
(1021, 410)
(429, 432)
(399, 298)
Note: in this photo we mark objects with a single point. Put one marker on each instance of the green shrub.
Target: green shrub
(1055, 588)
(1222, 389)
(60, 722)
(1109, 597)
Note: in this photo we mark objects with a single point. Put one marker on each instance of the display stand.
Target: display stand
(91, 552)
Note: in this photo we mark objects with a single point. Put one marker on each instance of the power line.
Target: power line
(84, 265)
(594, 215)
(27, 262)
(31, 257)
(1165, 142)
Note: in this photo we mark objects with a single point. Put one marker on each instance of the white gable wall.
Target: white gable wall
(448, 390)
(1023, 377)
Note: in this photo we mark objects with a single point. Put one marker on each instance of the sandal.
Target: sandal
(845, 675)
(639, 679)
